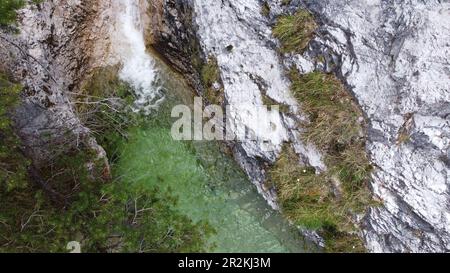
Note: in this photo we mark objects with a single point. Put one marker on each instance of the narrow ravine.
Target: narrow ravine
(210, 186)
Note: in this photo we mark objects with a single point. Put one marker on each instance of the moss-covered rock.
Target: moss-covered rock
(212, 82)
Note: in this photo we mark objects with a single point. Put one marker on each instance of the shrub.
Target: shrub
(13, 164)
(103, 105)
(109, 217)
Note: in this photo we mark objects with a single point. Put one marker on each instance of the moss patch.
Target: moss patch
(295, 31)
(210, 75)
(8, 11)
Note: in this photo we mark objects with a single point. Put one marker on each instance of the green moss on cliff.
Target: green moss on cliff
(8, 11)
(210, 75)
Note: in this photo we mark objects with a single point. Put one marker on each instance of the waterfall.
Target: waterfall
(138, 67)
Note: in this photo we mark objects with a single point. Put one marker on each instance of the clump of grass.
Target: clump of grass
(9, 8)
(328, 201)
(306, 198)
(333, 115)
(295, 31)
(210, 75)
(336, 126)
(343, 242)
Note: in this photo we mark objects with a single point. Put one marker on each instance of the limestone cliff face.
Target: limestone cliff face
(51, 56)
(392, 55)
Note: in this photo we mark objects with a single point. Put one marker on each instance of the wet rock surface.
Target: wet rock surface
(171, 33)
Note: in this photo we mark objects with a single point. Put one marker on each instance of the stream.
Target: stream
(208, 183)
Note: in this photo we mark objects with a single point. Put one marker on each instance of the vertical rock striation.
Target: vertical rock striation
(237, 35)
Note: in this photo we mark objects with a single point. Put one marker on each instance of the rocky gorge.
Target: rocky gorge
(391, 56)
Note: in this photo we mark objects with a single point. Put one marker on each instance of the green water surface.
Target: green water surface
(209, 184)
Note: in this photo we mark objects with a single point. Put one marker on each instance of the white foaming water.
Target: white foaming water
(138, 68)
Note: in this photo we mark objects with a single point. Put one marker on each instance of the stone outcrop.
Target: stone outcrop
(172, 34)
(395, 57)
(51, 55)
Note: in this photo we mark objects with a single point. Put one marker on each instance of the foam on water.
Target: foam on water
(138, 67)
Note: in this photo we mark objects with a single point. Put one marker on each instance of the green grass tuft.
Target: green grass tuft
(295, 31)
(8, 11)
(326, 202)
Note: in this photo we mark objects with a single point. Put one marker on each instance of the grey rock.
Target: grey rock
(50, 58)
(393, 56)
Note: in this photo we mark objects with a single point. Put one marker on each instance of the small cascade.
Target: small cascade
(138, 67)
